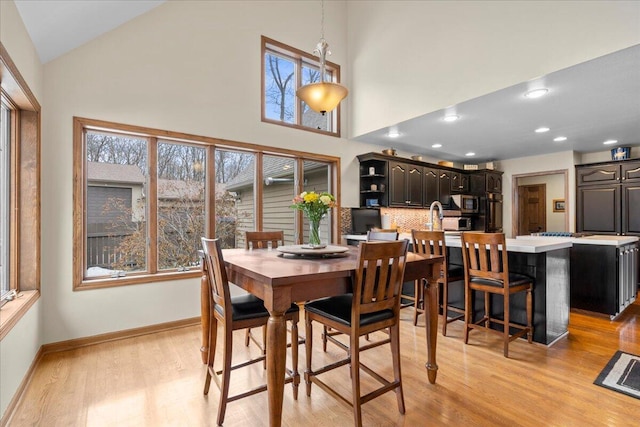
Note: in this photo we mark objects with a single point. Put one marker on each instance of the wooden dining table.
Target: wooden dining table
(281, 280)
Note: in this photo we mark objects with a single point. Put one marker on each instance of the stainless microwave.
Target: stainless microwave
(466, 203)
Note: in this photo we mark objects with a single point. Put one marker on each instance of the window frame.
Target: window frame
(299, 58)
(154, 136)
(5, 202)
(24, 189)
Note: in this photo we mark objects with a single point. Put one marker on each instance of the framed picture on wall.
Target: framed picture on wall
(558, 205)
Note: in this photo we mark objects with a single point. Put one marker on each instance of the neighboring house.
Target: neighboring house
(114, 195)
(278, 193)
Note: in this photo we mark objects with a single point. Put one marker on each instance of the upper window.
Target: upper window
(284, 70)
(143, 199)
(4, 198)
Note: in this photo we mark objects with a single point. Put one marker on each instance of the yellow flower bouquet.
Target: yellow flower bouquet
(315, 206)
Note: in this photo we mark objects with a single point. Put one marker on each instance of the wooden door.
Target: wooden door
(444, 187)
(430, 186)
(414, 186)
(532, 209)
(397, 184)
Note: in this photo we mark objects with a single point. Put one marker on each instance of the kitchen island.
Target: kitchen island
(545, 260)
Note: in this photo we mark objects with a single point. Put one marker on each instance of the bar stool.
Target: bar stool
(486, 268)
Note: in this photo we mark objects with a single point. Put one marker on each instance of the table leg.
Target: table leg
(431, 319)
(276, 359)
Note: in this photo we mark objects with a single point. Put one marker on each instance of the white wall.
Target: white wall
(187, 66)
(410, 58)
(19, 347)
(545, 163)
(554, 189)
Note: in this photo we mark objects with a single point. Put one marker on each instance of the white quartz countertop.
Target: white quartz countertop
(534, 245)
(606, 240)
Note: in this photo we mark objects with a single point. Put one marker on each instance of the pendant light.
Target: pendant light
(323, 96)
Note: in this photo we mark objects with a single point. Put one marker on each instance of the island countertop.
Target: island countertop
(532, 245)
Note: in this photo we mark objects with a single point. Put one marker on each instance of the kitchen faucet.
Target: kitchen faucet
(431, 224)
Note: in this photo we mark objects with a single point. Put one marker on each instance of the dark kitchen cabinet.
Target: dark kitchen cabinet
(482, 182)
(444, 186)
(431, 186)
(598, 209)
(603, 278)
(405, 184)
(608, 198)
(459, 183)
(494, 182)
(373, 183)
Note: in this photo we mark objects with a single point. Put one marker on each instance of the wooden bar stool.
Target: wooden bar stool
(241, 312)
(486, 268)
(433, 243)
(373, 306)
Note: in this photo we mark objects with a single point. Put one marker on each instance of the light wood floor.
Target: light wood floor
(156, 380)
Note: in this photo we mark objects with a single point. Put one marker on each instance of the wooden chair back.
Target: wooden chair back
(261, 238)
(427, 242)
(217, 274)
(378, 277)
(485, 256)
(382, 235)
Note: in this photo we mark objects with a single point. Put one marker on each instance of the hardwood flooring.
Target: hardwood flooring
(157, 380)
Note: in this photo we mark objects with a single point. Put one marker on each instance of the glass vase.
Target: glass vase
(314, 234)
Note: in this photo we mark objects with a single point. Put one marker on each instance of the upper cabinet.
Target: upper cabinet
(608, 198)
(373, 183)
(395, 182)
(483, 182)
(494, 182)
(405, 184)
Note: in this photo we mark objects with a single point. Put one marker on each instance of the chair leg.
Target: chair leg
(264, 346)
(487, 309)
(247, 337)
(308, 345)
(530, 316)
(394, 333)
(355, 379)
(226, 373)
(294, 356)
(468, 312)
(325, 331)
(506, 324)
(417, 294)
(213, 335)
(445, 305)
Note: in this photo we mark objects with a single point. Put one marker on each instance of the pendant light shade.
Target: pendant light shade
(323, 96)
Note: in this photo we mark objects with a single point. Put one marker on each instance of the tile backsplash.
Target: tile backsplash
(404, 219)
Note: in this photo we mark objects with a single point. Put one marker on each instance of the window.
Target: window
(142, 199)
(284, 70)
(4, 198)
(19, 194)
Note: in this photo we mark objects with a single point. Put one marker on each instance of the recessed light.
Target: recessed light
(542, 130)
(560, 138)
(610, 141)
(451, 118)
(470, 154)
(393, 134)
(436, 146)
(536, 93)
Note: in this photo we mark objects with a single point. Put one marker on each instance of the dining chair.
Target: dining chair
(260, 240)
(382, 235)
(486, 269)
(236, 313)
(433, 243)
(373, 306)
(374, 235)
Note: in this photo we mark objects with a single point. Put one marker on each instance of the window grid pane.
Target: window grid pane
(116, 204)
(181, 204)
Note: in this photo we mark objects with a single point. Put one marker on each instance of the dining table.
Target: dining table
(281, 279)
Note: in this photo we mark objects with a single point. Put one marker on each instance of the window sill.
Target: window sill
(12, 312)
(137, 279)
